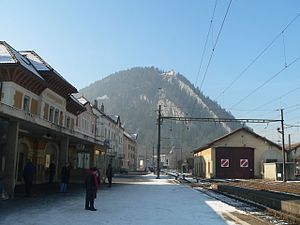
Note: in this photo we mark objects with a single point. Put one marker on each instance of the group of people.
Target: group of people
(30, 170)
(92, 180)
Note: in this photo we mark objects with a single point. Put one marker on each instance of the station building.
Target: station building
(40, 119)
(240, 154)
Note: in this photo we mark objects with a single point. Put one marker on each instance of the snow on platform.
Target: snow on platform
(136, 200)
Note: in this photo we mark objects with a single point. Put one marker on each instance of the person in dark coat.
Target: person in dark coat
(91, 185)
(52, 170)
(65, 176)
(28, 173)
(109, 175)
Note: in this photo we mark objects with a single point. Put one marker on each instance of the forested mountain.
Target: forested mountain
(135, 94)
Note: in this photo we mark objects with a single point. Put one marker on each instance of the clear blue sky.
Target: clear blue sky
(88, 40)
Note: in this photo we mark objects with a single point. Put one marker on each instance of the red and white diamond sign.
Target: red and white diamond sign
(244, 163)
(224, 162)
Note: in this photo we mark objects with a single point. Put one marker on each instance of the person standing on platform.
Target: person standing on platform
(52, 171)
(91, 187)
(28, 173)
(109, 174)
(65, 176)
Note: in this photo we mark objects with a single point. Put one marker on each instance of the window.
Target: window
(68, 122)
(83, 160)
(56, 116)
(47, 162)
(26, 103)
(61, 117)
(93, 128)
(51, 114)
(72, 123)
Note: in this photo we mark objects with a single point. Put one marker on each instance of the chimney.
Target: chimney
(102, 107)
(96, 103)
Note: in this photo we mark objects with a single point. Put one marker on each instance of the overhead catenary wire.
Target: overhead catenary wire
(258, 56)
(212, 51)
(284, 50)
(265, 82)
(204, 49)
(273, 100)
(215, 44)
(206, 41)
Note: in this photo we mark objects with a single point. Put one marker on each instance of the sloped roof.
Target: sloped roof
(8, 55)
(293, 146)
(133, 137)
(115, 118)
(232, 133)
(36, 60)
(74, 106)
(56, 82)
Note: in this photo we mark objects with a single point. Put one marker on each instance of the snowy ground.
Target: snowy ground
(139, 201)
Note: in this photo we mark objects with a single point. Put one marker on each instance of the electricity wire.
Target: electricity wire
(258, 56)
(212, 52)
(264, 83)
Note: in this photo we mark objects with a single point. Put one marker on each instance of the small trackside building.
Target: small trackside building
(240, 154)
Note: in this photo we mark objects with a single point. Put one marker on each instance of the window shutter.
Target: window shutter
(34, 106)
(18, 99)
(46, 110)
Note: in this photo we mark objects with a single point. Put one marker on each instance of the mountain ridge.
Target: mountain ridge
(135, 94)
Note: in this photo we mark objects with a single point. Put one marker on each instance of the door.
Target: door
(235, 162)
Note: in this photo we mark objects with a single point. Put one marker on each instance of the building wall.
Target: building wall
(13, 95)
(41, 152)
(53, 107)
(109, 130)
(203, 163)
(86, 123)
(40, 106)
(129, 149)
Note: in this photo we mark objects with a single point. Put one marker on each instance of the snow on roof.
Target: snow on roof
(82, 100)
(75, 100)
(36, 61)
(130, 136)
(10, 55)
(41, 65)
(114, 117)
(5, 56)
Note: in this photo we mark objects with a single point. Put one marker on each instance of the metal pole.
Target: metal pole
(289, 158)
(158, 141)
(181, 159)
(153, 163)
(283, 147)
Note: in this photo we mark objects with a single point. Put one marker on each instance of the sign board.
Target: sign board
(244, 163)
(224, 162)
